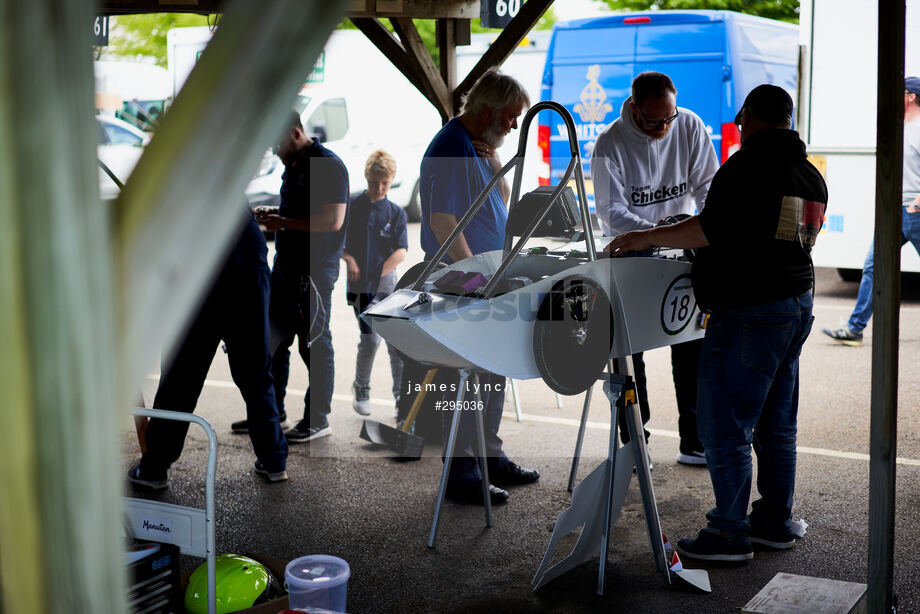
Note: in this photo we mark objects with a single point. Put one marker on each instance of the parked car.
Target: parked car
(120, 147)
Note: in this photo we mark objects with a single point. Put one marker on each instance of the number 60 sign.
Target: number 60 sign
(498, 13)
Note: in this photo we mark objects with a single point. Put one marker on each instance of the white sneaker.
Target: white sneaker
(362, 401)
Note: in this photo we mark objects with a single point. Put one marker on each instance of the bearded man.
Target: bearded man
(458, 164)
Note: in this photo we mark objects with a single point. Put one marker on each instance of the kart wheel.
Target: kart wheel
(572, 335)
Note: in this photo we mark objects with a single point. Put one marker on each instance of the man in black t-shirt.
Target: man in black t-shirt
(310, 235)
(767, 202)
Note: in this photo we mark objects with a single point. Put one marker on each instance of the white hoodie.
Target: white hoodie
(639, 181)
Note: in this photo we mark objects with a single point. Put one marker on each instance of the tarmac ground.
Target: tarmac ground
(349, 499)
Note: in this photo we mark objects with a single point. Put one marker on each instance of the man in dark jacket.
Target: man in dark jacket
(235, 310)
(767, 202)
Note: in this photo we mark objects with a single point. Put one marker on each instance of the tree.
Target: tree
(144, 35)
(784, 10)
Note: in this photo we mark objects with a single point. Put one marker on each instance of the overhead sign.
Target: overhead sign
(498, 13)
(101, 31)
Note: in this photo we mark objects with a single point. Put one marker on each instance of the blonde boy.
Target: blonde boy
(375, 243)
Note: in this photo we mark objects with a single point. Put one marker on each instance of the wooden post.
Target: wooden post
(447, 43)
(89, 295)
(185, 198)
(60, 474)
(886, 303)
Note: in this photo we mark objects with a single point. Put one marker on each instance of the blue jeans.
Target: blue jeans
(319, 356)
(910, 231)
(749, 394)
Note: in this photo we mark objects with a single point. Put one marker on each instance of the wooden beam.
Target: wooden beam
(184, 200)
(409, 9)
(390, 47)
(60, 479)
(886, 304)
(462, 32)
(422, 9)
(447, 43)
(124, 7)
(505, 44)
(423, 65)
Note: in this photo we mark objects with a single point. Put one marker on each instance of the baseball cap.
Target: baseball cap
(769, 103)
(912, 85)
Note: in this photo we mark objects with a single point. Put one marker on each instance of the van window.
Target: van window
(683, 40)
(329, 121)
(595, 43)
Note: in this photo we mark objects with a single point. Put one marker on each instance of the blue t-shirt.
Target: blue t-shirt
(452, 176)
(317, 178)
(375, 231)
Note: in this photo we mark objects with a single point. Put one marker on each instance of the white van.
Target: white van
(355, 101)
(837, 120)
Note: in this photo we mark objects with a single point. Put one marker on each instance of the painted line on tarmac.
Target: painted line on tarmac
(601, 426)
(605, 426)
(216, 383)
(849, 308)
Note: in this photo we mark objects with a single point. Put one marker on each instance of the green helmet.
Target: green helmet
(241, 583)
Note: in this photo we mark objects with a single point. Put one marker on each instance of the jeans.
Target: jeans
(318, 356)
(237, 311)
(368, 342)
(910, 231)
(749, 394)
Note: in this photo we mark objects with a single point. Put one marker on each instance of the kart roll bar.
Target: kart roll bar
(517, 162)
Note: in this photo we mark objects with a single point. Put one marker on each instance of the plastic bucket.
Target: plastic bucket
(318, 581)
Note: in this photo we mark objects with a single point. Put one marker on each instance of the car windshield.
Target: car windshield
(117, 135)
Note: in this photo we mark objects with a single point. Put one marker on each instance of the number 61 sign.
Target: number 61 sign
(678, 305)
(498, 13)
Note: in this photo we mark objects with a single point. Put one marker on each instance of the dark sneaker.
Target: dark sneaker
(710, 546)
(694, 457)
(845, 336)
(513, 474)
(135, 477)
(471, 493)
(304, 432)
(362, 400)
(270, 476)
(776, 540)
(241, 427)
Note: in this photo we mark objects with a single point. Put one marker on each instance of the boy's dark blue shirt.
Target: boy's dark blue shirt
(317, 178)
(375, 231)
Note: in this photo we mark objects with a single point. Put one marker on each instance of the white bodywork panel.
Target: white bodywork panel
(651, 299)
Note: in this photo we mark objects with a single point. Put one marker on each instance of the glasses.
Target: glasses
(657, 123)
